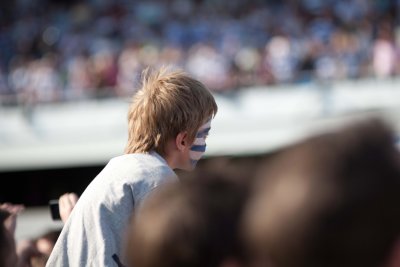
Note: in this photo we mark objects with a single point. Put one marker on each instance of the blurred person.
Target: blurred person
(172, 55)
(13, 253)
(129, 68)
(331, 200)
(34, 252)
(384, 58)
(207, 64)
(14, 210)
(6, 94)
(168, 123)
(80, 78)
(384, 51)
(44, 245)
(44, 83)
(193, 223)
(279, 55)
(18, 77)
(8, 255)
(104, 69)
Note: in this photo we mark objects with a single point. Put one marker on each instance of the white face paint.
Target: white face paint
(199, 145)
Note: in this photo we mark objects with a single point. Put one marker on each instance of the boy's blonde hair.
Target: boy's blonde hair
(168, 102)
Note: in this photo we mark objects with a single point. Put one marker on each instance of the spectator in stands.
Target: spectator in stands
(193, 223)
(8, 255)
(168, 123)
(31, 252)
(329, 201)
(13, 254)
(44, 245)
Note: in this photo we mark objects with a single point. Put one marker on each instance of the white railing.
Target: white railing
(250, 121)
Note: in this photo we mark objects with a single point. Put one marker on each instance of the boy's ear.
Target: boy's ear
(181, 141)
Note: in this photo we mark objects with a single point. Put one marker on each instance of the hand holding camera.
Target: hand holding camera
(61, 208)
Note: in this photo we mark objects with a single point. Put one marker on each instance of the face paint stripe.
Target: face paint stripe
(199, 145)
(203, 132)
(198, 148)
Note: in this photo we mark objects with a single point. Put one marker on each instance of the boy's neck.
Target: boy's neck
(171, 161)
(167, 157)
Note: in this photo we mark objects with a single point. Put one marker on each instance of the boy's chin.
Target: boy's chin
(187, 165)
(190, 166)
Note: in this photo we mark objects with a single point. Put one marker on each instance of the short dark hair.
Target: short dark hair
(331, 200)
(190, 223)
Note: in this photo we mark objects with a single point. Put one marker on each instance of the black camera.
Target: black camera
(54, 209)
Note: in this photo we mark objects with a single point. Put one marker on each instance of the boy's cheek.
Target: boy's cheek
(196, 151)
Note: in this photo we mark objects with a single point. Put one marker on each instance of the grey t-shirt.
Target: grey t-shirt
(94, 232)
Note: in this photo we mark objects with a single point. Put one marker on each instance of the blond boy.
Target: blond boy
(168, 122)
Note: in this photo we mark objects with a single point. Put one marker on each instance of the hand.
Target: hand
(66, 203)
(11, 222)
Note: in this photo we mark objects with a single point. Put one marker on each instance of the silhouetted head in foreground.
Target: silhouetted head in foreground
(332, 200)
(189, 224)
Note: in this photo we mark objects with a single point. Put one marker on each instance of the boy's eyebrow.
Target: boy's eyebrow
(203, 132)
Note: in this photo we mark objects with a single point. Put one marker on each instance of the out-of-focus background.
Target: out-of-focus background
(279, 70)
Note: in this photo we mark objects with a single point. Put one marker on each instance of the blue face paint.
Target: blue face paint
(199, 145)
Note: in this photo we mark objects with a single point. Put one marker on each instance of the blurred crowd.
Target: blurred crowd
(58, 50)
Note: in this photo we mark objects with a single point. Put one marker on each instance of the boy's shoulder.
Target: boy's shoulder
(140, 164)
(139, 158)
